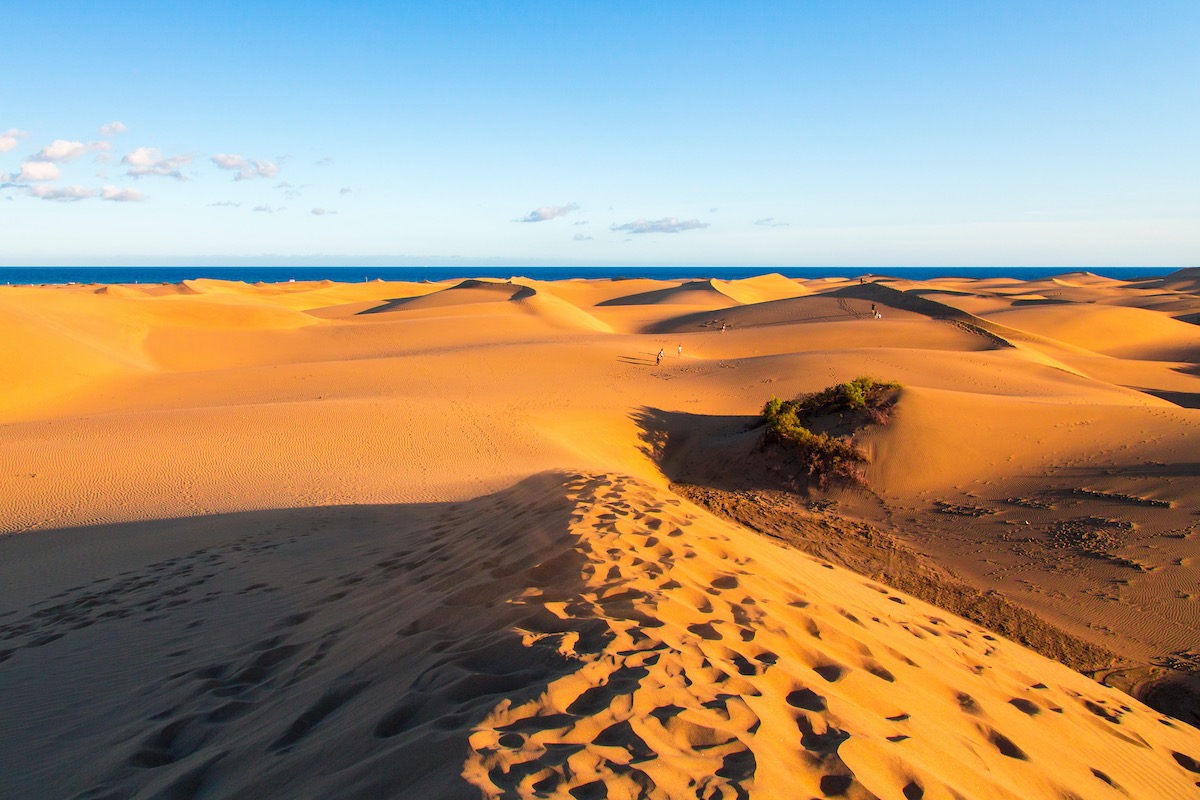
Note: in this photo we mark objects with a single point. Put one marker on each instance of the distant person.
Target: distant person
(722, 327)
(658, 360)
(679, 350)
(872, 309)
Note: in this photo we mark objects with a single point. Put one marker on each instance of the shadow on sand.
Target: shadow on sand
(314, 652)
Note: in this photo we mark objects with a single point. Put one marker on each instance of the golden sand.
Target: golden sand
(383, 539)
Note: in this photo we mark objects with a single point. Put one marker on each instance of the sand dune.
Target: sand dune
(569, 633)
(1184, 281)
(464, 293)
(1110, 330)
(386, 539)
(693, 293)
(761, 289)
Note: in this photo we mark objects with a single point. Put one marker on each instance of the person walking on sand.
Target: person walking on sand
(722, 327)
(679, 350)
(658, 360)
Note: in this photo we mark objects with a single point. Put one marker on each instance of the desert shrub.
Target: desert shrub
(824, 456)
(862, 393)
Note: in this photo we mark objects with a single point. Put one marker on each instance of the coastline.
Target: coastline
(67, 275)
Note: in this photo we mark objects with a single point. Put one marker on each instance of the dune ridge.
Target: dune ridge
(734, 667)
(571, 633)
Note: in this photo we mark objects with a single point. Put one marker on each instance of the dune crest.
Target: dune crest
(691, 293)
(732, 668)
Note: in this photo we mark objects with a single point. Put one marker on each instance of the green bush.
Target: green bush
(861, 393)
(822, 455)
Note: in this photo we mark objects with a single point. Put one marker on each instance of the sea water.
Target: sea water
(344, 274)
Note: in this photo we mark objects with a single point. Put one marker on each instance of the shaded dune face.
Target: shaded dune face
(468, 292)
(308, 653)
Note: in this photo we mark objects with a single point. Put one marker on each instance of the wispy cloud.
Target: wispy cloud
(548, 212)
(116, 195)
(61, 194)
(268, 210)
(74, 193)
(9, 139)
(579, 237)
(769, 222)
(112, 128)
(321, 212)
(345, 190)
(150, 161)
(665, 225)
(324, 162)
(290, 192)
(246, 168)
(63, 150)
(39, 171)
(224, 204)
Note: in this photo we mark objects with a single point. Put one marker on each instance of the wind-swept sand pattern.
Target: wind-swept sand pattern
(382, 539)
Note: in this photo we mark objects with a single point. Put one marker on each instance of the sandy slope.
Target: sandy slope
(571, 633)
(290, 591)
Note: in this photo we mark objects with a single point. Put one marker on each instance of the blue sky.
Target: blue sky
(818, 133)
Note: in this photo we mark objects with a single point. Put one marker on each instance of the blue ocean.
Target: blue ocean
(344, 274)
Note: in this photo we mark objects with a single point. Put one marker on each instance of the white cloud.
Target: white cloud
(269, 210)
(549, 212)
(62, 194)
(345, 190)
(245, 167)
(8, 139)
(320, 212)
(579, 237)
(324, 162)
(112, 128)
(122, 195)
(150, 161)
(228, 161)
(769, 222)
(665, 225)
(39, 171)
(64, 150)
(224, 204)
